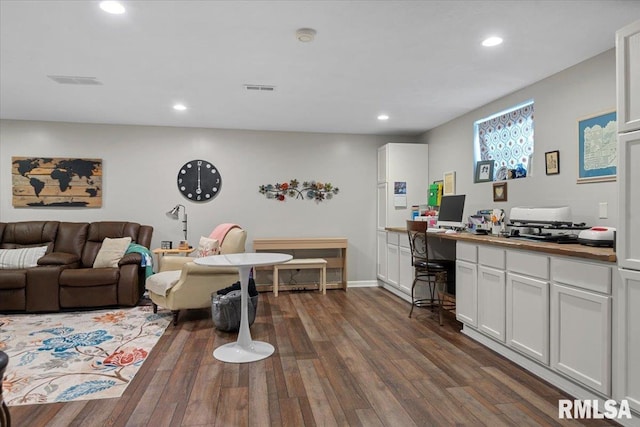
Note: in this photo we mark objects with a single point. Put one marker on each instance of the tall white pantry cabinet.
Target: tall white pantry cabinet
(398, 163)
(627, 293)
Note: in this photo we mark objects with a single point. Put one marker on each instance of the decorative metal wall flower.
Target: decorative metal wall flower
(312, 190)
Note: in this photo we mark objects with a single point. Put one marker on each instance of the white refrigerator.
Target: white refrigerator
(627, 293)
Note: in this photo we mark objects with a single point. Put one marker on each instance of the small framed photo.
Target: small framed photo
(500, 192)
(484, 171)
(165, 244)
(449, 187)
(552, 162)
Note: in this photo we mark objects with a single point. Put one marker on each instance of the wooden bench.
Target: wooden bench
(300, 264)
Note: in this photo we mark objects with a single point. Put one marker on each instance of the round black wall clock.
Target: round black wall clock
(199, 180)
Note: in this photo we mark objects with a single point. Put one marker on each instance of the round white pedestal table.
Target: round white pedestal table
(244, 349)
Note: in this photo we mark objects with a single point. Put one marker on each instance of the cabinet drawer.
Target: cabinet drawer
(491, 257)
(586, 275)
(393, 238)
(528, 264)
(467, 252)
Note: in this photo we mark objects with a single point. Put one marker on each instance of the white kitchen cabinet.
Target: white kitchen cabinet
(491, 302)
(381, 243)
(628, 83)
(467, 292)
(406, 269)
(580, 335)
(407, 163)
(628, 237)
(527, 316)
(393, 263)
(627, 375)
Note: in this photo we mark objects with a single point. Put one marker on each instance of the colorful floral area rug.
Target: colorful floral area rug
(61, 357)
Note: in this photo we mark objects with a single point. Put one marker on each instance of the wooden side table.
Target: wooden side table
(159, 253)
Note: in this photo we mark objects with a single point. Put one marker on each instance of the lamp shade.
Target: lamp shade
(173, 213)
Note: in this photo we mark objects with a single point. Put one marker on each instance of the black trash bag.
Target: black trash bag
(253, 291)
(226, 310)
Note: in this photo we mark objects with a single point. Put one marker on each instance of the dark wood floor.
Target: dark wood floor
(348, 358)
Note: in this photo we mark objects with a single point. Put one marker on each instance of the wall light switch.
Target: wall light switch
(603, 210)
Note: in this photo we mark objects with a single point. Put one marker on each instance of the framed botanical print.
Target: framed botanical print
(552, 162)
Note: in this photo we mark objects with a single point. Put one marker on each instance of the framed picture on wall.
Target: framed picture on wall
(552, 162)
(597, 148)
(449, 187)
(484, 171)
(500, 192)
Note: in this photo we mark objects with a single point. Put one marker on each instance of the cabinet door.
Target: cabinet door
(628, 70)
(467, 293)
(491, 302)
(393, 264)
(628, 339)
(381, 241)
(581, 336)
(406, 270)
(627, 242)
(528, 316)
(382, 163)
(382, 206)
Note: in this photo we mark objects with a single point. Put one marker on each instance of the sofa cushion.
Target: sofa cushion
(160, 283)
(21, 258)
(111, 251)
(82, 277)
(13, 279)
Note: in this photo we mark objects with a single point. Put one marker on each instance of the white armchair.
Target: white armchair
(182, 284)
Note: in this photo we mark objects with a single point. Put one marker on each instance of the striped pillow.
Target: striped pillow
(21, 258)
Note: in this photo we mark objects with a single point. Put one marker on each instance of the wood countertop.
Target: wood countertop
(565, 249)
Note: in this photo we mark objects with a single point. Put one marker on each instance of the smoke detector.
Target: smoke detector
(305, 35)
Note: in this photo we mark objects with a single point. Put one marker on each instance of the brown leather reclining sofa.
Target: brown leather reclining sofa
(65, 277)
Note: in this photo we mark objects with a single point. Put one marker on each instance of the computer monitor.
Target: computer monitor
(451, 210)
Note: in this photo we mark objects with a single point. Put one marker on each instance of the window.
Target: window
(506, 138)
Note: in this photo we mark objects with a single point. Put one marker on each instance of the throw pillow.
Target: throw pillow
(21, 258)
(111, 251)
(207, 247)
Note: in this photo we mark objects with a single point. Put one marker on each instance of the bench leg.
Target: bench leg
(275, 280)
(323, 279)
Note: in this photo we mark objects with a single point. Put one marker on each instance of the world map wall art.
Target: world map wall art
(56, 182)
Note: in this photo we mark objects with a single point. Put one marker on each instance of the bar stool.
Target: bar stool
(5, 418)
(436, 273)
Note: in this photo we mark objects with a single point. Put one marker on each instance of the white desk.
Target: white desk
(244, 349)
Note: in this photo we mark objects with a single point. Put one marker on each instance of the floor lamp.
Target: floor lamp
(173, 214)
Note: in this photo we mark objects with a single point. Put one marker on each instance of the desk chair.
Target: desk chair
(5, 418)
(435, 273)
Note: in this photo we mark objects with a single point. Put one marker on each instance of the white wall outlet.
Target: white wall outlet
(603, 210)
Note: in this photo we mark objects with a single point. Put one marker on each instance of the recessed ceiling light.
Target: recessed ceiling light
(492, 41)
(305, 35)
(113, 7)
(179, 107)
(383, 117)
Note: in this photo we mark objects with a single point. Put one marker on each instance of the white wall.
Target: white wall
(140, 165)
(560, 100)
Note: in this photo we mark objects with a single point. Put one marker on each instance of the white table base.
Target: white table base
(244, 349)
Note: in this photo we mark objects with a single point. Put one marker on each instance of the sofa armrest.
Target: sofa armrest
(59, 258)
(170, 263)
(191, 268)
(130, 258)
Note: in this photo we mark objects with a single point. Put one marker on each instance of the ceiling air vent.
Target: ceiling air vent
(75, 80)
(263, 88)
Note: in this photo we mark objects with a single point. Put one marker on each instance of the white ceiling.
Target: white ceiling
(418, 61)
